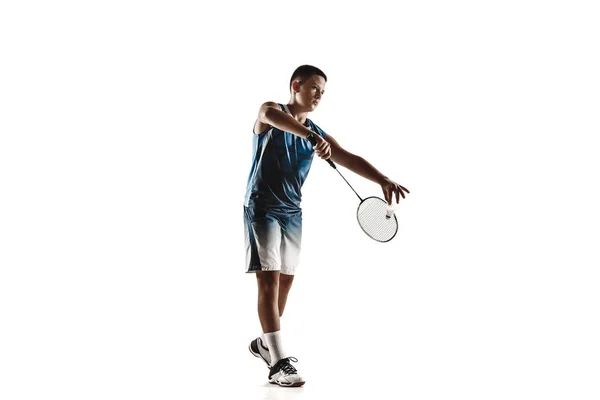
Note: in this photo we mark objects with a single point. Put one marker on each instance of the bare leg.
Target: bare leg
(285, 284)
(268, 294)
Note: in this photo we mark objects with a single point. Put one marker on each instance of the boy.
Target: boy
(272, 213)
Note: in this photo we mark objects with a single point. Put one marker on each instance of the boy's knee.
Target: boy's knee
(267, 280)
(286, 280)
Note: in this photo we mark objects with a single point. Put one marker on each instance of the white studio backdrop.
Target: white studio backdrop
(126, 136)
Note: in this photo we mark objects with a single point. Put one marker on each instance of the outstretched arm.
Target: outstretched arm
(362, 167)
(270, 115)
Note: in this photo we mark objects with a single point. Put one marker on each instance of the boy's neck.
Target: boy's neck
(297, 113)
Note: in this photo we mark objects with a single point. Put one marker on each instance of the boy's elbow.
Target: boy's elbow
(268, 114)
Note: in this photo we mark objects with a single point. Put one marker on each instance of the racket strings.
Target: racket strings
(372, 219)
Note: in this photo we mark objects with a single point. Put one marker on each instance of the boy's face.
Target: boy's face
(309, 93)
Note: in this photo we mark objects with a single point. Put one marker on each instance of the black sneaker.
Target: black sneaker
(258, 349)
(284, 374)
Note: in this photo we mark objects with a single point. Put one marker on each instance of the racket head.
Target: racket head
(372, 217)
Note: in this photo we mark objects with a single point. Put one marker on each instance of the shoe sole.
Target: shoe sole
(257, 355)
(297, 384)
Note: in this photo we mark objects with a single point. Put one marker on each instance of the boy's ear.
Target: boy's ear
(295, 86)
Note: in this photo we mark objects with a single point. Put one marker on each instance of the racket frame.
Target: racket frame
(361, 227)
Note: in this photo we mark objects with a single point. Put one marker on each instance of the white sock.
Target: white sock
(273, 340)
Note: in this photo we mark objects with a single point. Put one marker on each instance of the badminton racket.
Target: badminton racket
(375, 217)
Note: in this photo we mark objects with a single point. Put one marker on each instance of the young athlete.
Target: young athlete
(273, 217)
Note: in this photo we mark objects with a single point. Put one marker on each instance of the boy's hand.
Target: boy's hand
(390, 188)
(322, 147)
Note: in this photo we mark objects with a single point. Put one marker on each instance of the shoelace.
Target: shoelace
(287, 367)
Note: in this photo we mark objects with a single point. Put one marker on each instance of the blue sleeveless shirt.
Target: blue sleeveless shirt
(280, 164)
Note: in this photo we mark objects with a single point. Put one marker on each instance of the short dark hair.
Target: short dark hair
(306, 71)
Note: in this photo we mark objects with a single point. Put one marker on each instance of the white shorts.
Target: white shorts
(272, 241)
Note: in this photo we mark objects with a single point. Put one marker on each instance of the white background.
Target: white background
(125, 147)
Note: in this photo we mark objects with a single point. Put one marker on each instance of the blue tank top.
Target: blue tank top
(280, 165)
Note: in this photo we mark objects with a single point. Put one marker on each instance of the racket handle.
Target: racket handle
(313, 141)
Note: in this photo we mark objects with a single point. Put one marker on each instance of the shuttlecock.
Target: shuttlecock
(390, 209)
